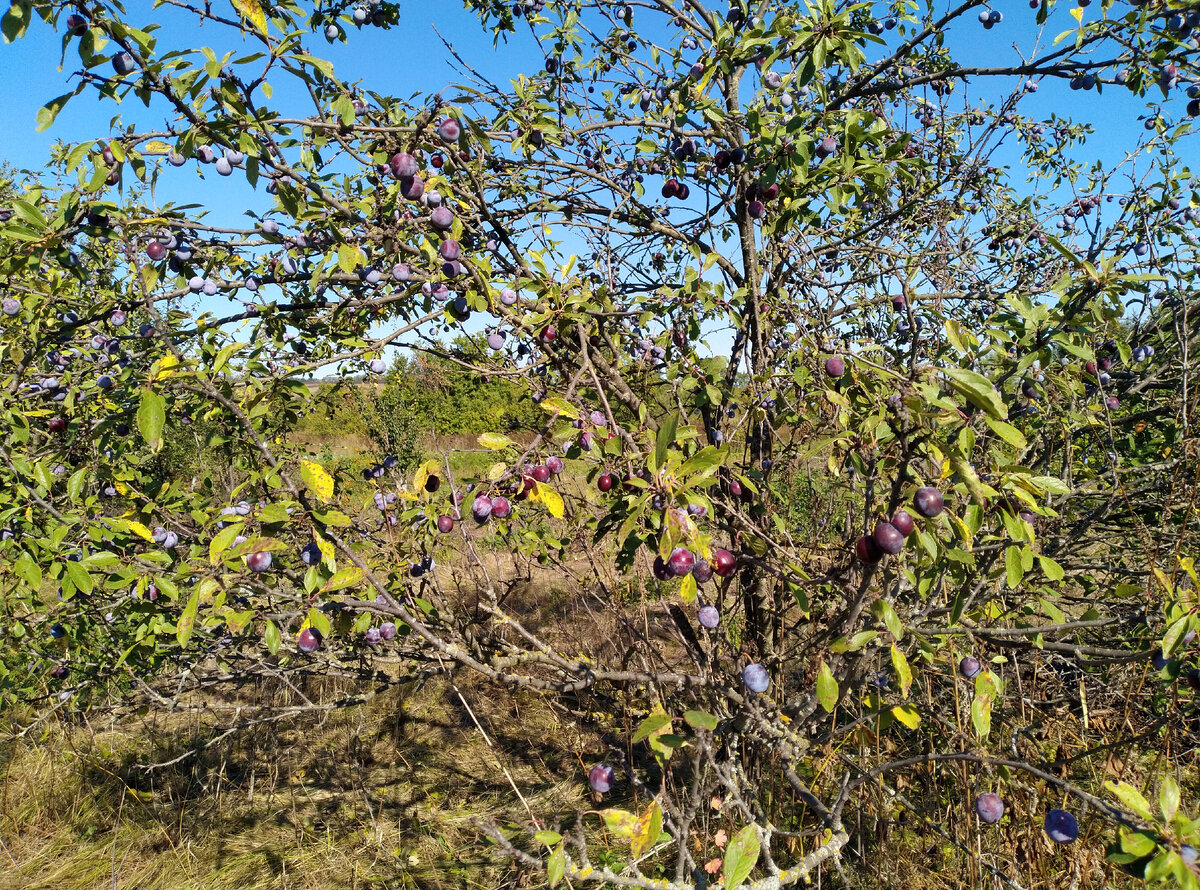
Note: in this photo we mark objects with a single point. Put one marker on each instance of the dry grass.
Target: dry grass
(380, 796)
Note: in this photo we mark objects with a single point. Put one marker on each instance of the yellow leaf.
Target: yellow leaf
(252, 11)
(316, 479)
(165, 367)
(551, 498)
(156, 147)
(495, 471)
(687, 590)
(907, 715)
(137, 528)
(494, 441)
(647, 830)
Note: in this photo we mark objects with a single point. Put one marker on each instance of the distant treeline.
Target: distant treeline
(420, 396)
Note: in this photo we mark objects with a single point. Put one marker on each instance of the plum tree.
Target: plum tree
(673, 239)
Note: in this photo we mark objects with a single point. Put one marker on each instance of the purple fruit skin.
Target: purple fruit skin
(481, 507)
(755, 677)
(600, 778)
(1061, 826)
(928, 501)
(970, 667)
(501, 507)
(702, 571)
(387, 630)
(709, 617)
(835, 367)
(309, 640)
(723, 562)
(867, 550)
(259, 562)
(662, 571)
(903, 520)
(445, 524)
(989, 808)
(681, 562)
(889, 538)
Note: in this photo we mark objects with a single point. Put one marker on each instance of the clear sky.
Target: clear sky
(410, 59)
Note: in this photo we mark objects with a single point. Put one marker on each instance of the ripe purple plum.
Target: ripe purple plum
(723, 562)
(970, 667)
(867, 550)
(481, 508)
(928, 501)
(989, 807)
(889, 538)
(755, 677)
(1061, 826)
(835, 366)
(709, 617)
(904, 522)
(600, 778)
(681, 561)
(309, 640)
(259, 562)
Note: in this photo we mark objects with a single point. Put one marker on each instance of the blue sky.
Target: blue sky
(410, 59)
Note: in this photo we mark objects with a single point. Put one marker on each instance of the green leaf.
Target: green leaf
(903, 671)
(29, 571)
(741, 856)
(650, 724)
(978, 390)
(619, 822)
(549, 838)
(907, 715)
(981, 714)
(1052, 570)
(1133, 799)
(343, 578)
(75, 484)
(48, 112)
(151, 416)
(272, 637)
(687, 589)
(562, 406)
(1013, 566)
(883, 610)
(183, 629)
(222, 541)
(557, 866)
(252, 12)
(80, 577)
(350, 257)
(1168, 798)
(666, 435)
(1008, 433)
(700, 720)
(647, 830)
(827, 688)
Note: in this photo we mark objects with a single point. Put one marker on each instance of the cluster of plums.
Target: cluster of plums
(1061, 826)
(888, 536)
(683, 562)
